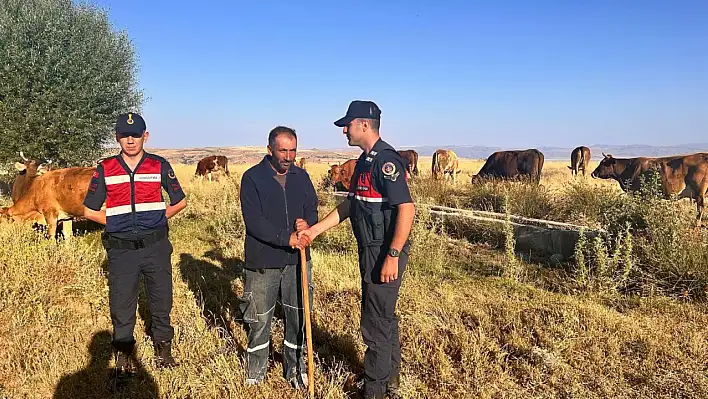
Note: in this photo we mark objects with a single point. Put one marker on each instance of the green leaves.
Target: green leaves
(64, 78)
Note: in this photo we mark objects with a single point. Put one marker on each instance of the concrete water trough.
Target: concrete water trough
(536, 236)
(544, 238)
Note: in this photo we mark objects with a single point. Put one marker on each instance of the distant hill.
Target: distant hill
(556, 153)
(254, 154)
(247, 154)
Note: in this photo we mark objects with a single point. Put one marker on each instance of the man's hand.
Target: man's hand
(176, 208)
(308, 234)
(301, 224)
(299, 241)
(389, 271)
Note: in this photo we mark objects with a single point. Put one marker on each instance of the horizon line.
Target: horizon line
(354, 148)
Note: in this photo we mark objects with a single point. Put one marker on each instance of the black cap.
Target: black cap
(130, 123)
(360, 109)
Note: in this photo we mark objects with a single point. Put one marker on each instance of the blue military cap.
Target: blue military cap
(359, 109)
(130, 123)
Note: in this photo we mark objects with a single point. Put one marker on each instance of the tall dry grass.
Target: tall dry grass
(467, 330)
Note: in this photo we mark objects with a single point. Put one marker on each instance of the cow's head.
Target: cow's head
(32, 167)
(336, 174)
(27, 172)
(606, 168)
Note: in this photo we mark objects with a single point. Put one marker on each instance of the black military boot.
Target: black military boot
(357, 385)
(163, 355)
(125, 365)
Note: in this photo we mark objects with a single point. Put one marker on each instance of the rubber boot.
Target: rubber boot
(163, 355)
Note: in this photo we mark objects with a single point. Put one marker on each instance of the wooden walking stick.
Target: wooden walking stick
(308, 327)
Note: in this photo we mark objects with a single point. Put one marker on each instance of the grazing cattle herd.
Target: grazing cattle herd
(49, 197)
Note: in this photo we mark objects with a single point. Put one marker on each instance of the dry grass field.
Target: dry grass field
(625, 318)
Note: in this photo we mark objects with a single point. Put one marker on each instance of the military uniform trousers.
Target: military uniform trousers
(379, 324)
(124, 269)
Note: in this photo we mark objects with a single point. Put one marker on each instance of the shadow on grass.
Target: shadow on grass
(96, 379)
(211, 284)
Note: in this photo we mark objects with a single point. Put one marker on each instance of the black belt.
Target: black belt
(118, 243)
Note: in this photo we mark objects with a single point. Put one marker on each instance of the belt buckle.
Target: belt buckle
(139, 244)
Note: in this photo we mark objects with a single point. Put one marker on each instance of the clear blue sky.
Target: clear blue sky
(501, 73)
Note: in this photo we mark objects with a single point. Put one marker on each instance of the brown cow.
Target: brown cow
(342, 173)
(211, 164)
(683, 175)
(300, 162)
(27, 172)
(579, 160)
(55, 195)
(445, 163)
(412, 157)
(515, 164)
(628, 172)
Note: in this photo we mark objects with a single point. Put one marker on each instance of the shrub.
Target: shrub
(604, 265)
(585, 204)
(66, 76)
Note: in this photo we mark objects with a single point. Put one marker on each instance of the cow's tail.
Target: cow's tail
(540, 166)
(435, 161)
(574, 160)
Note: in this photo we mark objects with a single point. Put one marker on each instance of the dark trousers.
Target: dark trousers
(379, 324)
(261, 289)
(124, 269)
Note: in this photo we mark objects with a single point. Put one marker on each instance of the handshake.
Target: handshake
(303, 235)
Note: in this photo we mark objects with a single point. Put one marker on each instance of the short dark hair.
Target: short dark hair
(374, 123)
(277, 131)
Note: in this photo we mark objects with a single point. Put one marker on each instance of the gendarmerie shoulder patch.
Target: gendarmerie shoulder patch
(389, 171)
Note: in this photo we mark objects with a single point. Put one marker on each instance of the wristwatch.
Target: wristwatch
(393, 252)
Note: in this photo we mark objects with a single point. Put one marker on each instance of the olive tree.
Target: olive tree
(65, 75)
